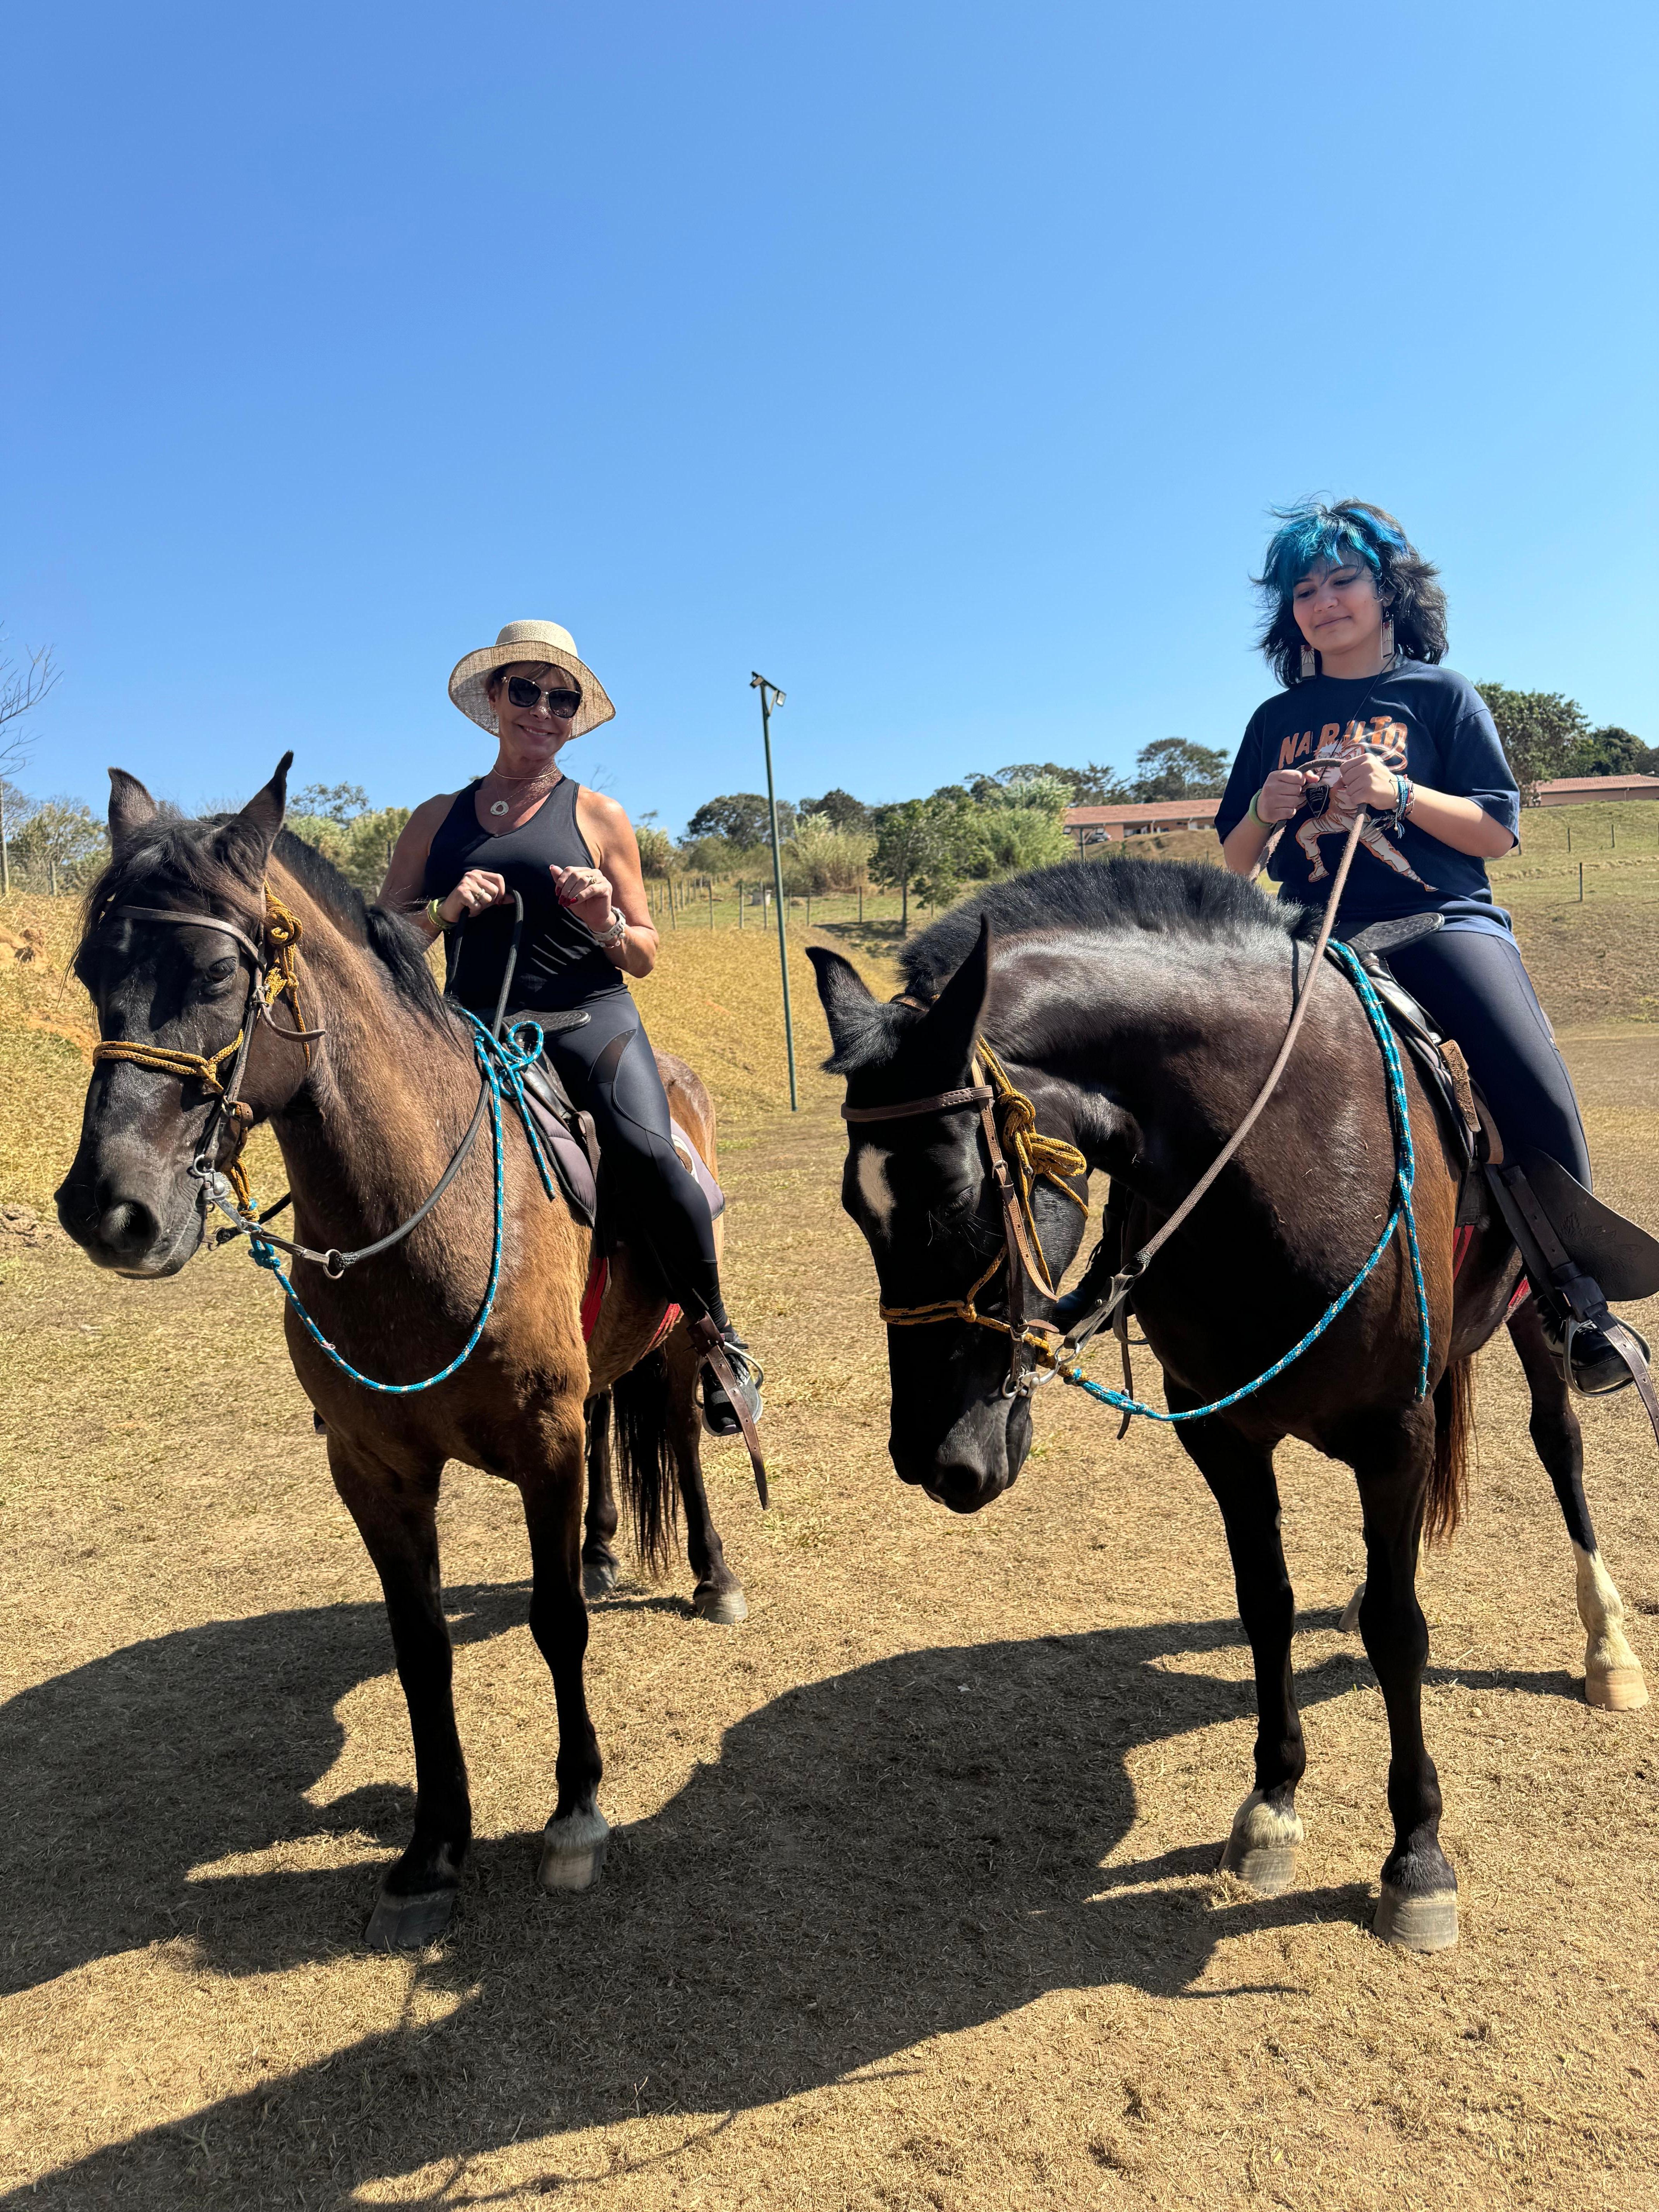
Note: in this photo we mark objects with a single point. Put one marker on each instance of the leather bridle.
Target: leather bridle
(1035, 1158)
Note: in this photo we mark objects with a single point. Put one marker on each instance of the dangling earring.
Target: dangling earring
(1310, 663)
(1388, 641)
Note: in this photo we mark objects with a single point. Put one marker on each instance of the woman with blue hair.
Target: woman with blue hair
(1355, 632)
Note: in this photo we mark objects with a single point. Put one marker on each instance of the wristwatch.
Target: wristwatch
(614, 935)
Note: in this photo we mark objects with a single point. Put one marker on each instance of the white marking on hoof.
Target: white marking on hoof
(1263, 1846)
(573, 1850)
(1613, 1673)
(725, 1608)
(1350, 1620)
(409, 1924)
(1616, 1689)
(1417, 1923)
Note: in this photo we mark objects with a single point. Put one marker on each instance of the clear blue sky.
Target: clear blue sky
(940, 361)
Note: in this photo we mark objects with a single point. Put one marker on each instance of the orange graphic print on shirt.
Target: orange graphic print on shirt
(1381, 737)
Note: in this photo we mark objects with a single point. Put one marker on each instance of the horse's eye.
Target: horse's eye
(213, 979)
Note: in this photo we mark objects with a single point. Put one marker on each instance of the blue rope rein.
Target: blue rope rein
(1404, 1179)
(502, 1063)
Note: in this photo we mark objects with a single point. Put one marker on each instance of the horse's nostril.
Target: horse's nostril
(127, 1228)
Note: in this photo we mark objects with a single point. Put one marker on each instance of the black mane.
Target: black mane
(1170, 897)
(172, 854)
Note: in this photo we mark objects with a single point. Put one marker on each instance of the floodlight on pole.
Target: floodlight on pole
(765, 686)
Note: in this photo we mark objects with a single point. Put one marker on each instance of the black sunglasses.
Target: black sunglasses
(560, 701)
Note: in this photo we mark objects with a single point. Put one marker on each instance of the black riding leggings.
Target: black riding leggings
(1477, 989)
(608, 1068)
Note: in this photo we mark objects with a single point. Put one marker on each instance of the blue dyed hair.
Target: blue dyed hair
(1310, 533)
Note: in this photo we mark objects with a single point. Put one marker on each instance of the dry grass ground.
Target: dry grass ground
(911, 1903)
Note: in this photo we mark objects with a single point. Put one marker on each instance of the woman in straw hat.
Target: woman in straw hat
(571, 855)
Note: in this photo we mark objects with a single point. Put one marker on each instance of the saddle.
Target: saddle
(571, 1140)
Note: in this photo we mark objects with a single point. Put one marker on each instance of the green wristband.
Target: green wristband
(435, 914)
(1256, 814)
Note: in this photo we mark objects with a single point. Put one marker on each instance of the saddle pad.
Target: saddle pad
(692, 1158)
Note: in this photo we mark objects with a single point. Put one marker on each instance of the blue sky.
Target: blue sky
(940, 361)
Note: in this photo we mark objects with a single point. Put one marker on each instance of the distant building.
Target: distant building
(1579, 790)
(1100, 825)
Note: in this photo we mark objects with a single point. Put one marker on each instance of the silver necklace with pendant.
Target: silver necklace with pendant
(505, 806)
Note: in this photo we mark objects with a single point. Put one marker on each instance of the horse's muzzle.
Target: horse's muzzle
(979, 1456)
(132, 1231)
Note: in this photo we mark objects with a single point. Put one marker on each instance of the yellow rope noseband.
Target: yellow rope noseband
(274, 977)
(1021, 1156)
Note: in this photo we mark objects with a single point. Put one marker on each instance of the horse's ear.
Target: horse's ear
(130, 807)
(247, 837)
(952, 1028)
(845, 996)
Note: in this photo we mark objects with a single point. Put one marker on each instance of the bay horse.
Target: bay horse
(1138, 1006)
(366, 1118)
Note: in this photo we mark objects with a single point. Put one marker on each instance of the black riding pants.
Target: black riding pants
(608, 1068)
(1476, 988)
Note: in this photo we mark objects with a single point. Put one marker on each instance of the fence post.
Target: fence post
(739, 906)
(1581, 883)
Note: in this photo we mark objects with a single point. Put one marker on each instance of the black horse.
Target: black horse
(1140, 1005)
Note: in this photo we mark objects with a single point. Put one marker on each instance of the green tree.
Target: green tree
(913, 842)
(1094, 786)
(63, 839)
(1540, 732)
(1610, 751)
(331, 802)
(1175, 768)
(741, 818)
(838, 809)
(656, 849)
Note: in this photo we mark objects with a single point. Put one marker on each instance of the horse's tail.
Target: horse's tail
(644, 1461)
(1453, 1448)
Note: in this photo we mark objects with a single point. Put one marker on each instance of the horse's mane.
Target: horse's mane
(172, 853)
(1176, 899)
(1171, 898)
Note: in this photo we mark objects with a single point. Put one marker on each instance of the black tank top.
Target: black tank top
(559, 963)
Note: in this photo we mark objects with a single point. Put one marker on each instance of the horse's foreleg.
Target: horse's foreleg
(1613, 1673)
(574, 1842)
(397, 1521)
(1392, 1458)
(599, 1568)
(718, 1593)
(1266, 1827)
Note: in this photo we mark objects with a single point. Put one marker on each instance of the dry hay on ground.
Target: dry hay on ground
(911, 1903)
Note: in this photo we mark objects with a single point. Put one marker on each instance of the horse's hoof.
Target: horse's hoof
(1261, 1848)
(1417, 1923)
(726, 1607)
(1350, 1618)
(409, 1924)
(573, 1850)
(1616, 1689)
(598, 1577)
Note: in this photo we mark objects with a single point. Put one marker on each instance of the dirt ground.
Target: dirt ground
(911, 1901)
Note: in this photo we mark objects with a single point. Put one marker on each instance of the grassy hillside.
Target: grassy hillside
(717, 999)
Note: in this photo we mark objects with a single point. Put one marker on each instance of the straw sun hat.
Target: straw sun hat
(530, 641)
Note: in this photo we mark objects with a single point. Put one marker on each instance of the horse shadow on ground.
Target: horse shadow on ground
(894, 1853)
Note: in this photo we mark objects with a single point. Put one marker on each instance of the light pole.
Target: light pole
(764, 685)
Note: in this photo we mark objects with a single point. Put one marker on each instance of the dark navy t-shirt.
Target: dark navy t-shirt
(1432, 726)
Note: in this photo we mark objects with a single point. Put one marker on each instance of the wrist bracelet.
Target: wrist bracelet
(435, 914)
(1256, 812)
(607, 939)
